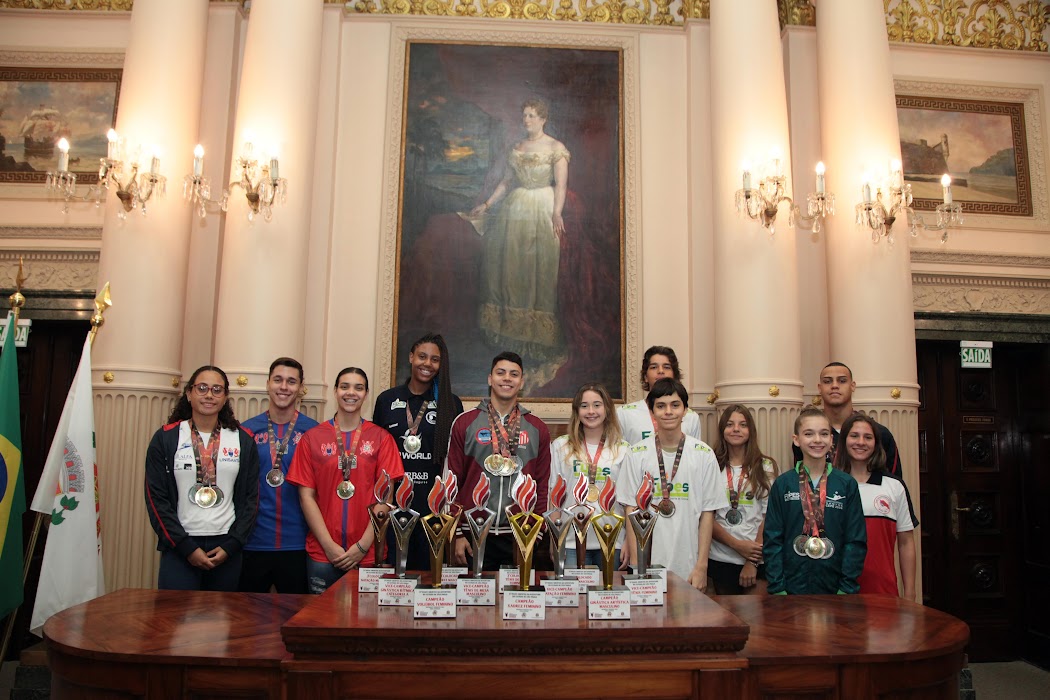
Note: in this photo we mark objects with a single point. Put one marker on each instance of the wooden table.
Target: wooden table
(161, 644)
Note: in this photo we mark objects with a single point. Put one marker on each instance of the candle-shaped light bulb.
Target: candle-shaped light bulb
(775, 155)
(111, 148)
(63, 155)
(275, 172)
(154, 163)
(198, 160)
(746, 167)
(820, 177)
(896, 174)
(946, 183)
(865, 191)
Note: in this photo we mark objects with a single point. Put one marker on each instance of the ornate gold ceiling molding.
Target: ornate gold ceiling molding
(76, 5)
(628, 12)
(1016, 25)
(799, 13)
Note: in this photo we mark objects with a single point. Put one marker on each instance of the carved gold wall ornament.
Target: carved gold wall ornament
(798, 13)
(712, 397)
(817, 401)
(108, 377)
(895, 393)
(774, 390)
(175, 382)
(242, 381)
(632, 12)
(1015, 25)
(80, 5)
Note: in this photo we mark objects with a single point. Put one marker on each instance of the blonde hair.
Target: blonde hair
(610, 428)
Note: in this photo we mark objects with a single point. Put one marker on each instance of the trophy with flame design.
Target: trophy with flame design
(559, 521)
(526, 526)
(456, 511)
(479, 589)
(437, 527)
(403, 519)
(647, 583)
(607, 526)
(379, 514)
(581, 518)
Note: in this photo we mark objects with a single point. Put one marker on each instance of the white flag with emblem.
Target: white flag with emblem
(68, 495)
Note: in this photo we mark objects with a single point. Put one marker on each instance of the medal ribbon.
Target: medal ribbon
(278, 448)
(734, 496)
(413, 423)
(813, 504)
(592, 463)
(347, 457)
(665, 483)
(505, 438)
(204, 456)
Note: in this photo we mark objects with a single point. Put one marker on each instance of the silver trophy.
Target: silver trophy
(581, 518)
(559, 521)
(642, 523)
(403, 519)
(479, 521)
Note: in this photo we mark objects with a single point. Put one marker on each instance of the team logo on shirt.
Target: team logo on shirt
(484, 436)
(398, 403)
(432, 417)
(882, 504)
(835, 501)
(327, 449)
(231, 452)
(296, 437)
(368, 448)
(262, 438)
(523, 438)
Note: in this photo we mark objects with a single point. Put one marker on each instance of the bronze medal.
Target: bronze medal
(666, 507)
(345, 490)
(275, 477)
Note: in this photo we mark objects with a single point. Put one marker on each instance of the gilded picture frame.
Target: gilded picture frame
(39, 105)
(458, 106)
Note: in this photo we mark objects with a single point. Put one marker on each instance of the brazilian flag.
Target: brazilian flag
(12, 487)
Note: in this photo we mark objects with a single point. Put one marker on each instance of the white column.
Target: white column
(872, 324)
(756, 290)
(260, 312)
(136, 356)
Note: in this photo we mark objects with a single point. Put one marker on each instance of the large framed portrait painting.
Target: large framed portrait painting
(510, 232)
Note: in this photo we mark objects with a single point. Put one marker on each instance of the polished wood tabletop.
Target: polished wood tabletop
(345, 622)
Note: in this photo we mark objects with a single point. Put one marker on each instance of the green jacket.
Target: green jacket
(788, 572)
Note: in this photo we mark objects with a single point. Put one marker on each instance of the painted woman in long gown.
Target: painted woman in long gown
(522, 225)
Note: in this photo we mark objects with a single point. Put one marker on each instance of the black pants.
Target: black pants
(177, 574)
(285, 571)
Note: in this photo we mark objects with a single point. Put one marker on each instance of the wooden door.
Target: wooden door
(975, 445)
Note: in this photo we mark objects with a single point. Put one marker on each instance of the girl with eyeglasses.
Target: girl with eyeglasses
(202, 488)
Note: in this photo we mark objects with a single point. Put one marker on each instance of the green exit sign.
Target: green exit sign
(975, 353)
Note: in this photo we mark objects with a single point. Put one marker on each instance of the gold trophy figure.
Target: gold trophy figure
(455, 510)
(581, 516)
(403, 520)
(379, 513)
(479, 520)
(643, 522)
(526, 525)
(437, 527)
(559, 521)
(607, 526)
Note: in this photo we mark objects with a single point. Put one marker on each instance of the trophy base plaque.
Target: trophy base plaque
(430, 602)
(368, 578)
(397, 591)
(510, 577)
(645, 590)
(450, 574)
(658, 572)
(476, 591)
(609, 603)
(587, 576)
(523, 605)
(562, 592)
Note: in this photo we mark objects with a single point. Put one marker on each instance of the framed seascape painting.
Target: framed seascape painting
(510, 220)
(39, 106)
(982, 144)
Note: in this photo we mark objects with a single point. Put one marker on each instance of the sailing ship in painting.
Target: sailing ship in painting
(41, 130)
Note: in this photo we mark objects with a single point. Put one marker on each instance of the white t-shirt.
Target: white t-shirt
(696, 489)
(570, 468)
(218, 519)
(753, 510)
(636, 422)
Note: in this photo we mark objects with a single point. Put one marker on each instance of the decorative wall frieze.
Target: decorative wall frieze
(975, 293)
(798, 13)
(46, 57)
(970, 258)
(51, 270)
(1016, 25)
(52, 233)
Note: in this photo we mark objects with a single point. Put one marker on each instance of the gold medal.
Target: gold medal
(345, 490)
(592, 493)
(206, 497)
(816, 548)
(494, 464)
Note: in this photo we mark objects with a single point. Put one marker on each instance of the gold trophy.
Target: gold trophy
(455, 510)
(607, 526)
(559, 521)
(526, 526)
(379, 514)
(438, 527)
(581, 516)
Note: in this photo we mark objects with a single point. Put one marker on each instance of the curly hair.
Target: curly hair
(446, 410)
(184, 411)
